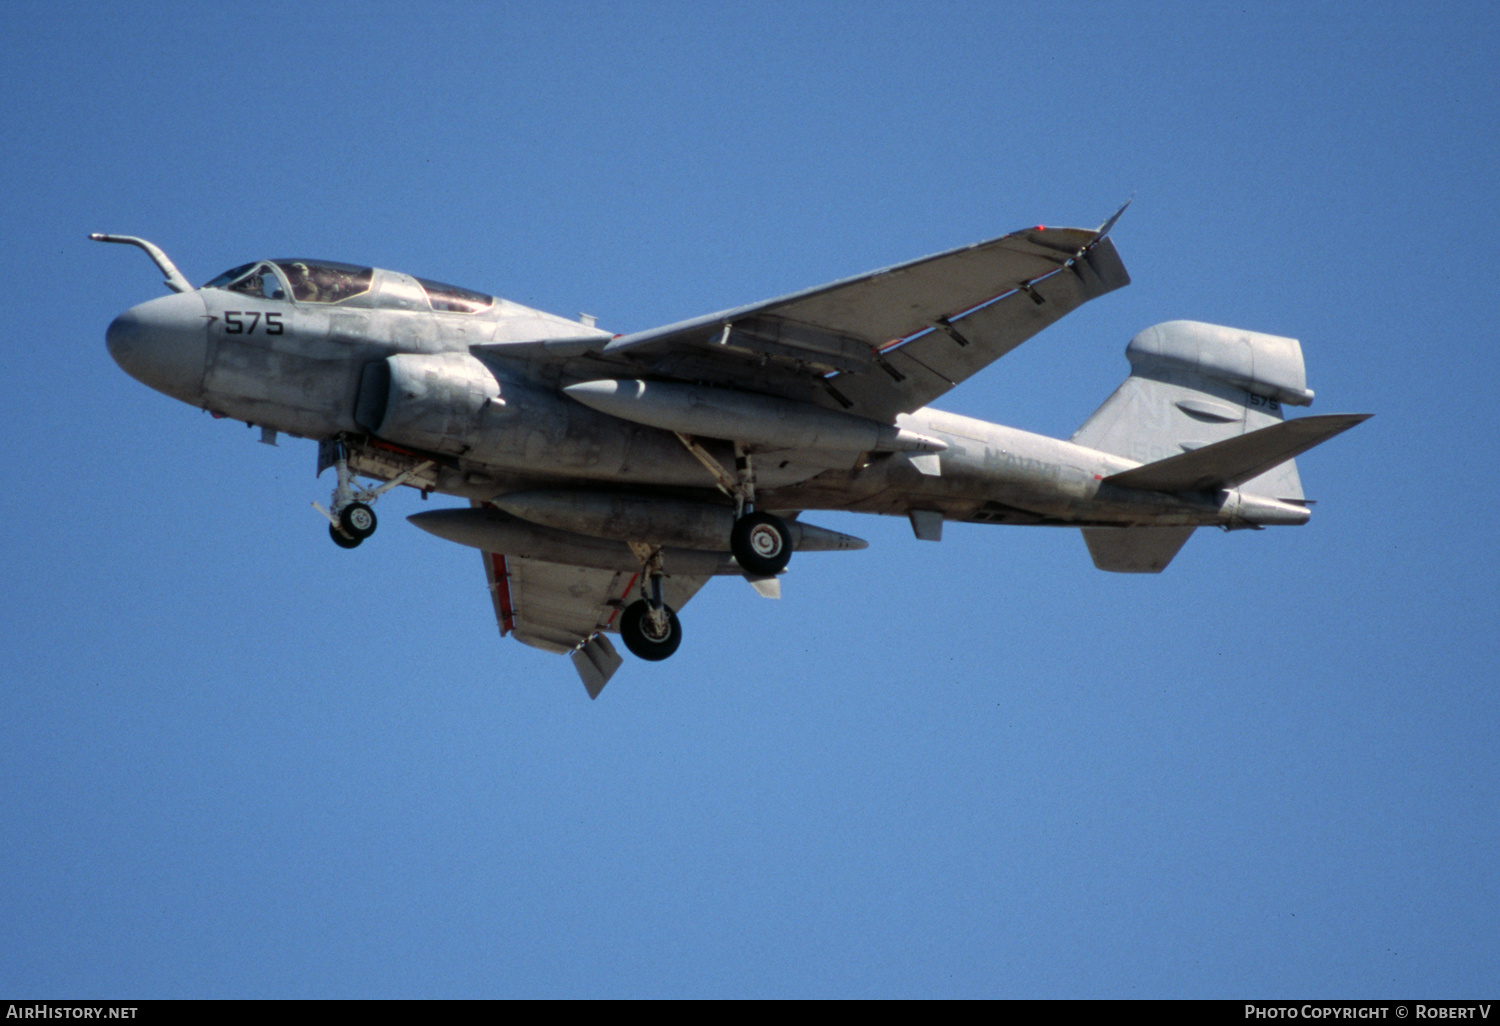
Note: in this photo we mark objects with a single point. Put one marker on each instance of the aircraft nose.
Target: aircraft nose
(163, 343)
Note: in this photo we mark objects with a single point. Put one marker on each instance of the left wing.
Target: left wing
(892, 340)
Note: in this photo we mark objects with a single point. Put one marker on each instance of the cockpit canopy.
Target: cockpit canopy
(323, 281)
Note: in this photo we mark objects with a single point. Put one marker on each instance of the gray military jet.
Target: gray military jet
(610, 476)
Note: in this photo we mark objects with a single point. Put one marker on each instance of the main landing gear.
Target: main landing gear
(350, 518)
(650, 635)
(761, 543)
(649, 627)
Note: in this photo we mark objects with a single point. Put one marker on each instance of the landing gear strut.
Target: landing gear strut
(760, 542)
(649, 627)
(350, 519)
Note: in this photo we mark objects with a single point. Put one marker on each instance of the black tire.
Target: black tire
(640, 641)
(358, 520)
(761, 543)
(341, 539)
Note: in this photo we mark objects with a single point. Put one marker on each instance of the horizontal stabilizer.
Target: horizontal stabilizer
(1135, 550)
(1236, 460)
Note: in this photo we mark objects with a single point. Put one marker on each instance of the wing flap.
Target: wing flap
(596, 662)
(568, 609)
(564, 604)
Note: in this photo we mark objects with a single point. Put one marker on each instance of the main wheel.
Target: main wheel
(639, 636)
(761, 543)
(341, 539)
(357, 520)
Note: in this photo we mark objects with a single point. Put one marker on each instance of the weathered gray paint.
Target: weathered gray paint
(580, 435)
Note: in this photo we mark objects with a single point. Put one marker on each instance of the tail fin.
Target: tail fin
(1192, 385)
(1201, 411)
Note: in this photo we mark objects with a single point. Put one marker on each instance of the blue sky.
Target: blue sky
(242, 762)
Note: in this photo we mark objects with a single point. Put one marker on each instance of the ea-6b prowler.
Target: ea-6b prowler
(610, 476)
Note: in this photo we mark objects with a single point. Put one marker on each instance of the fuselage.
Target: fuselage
(408, 370)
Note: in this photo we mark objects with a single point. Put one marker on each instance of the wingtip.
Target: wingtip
(1104, 228)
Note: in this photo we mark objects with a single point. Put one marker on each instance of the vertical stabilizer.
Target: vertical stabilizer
(1192, 385)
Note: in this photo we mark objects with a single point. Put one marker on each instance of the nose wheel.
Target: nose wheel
(356, 522)
(351, 520)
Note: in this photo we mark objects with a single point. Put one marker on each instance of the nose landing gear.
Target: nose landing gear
(350, 519)
(356, 522)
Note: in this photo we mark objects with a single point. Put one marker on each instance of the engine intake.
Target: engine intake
(430, 402)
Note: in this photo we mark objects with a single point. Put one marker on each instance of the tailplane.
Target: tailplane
(1202, 411)
(1193, 384)
(1234, 461)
